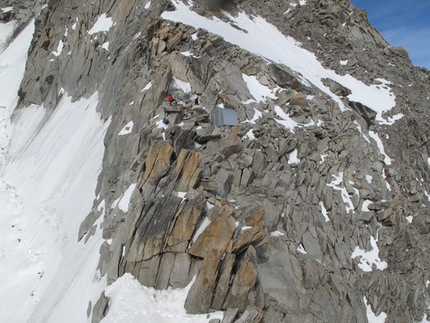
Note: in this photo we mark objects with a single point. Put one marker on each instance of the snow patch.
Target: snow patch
(292, 159)
(365, 205)
(178, 84)
(427, 194)
(202, 226)
(301, 249)
(55, 158)
(391, 120)
(250, 135)
(369, 258)
(103, 23)
(59, 48)
(7, 9)
(127, 129)
(335, 184)
(257, 90)
(6, 31)
(380, 145)
(324, 212)
(277, 233)
(123, 201)
(257, 115)
(189, 54)
(286, 121)
(371, 317)
(101, 206)
(361, 131)
(147, 87)
(131, 302)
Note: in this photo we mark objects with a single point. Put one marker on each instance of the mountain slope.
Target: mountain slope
(313, 208)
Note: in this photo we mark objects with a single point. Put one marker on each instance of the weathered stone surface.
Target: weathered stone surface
(215, 237)
(100, 308)
(224, 179)
(230, 315)
(226, 146)
(250, 315)
(223, 281)
(206, 133)
(244, 279)
(247, 237)
(337, 88)
(188, 170)
(200, 295)
(281, 77)
(182, 271)
(183, 225)
(299, 99)
(255, 218)
(166, 263)
(145, 271)
(271, 214)
(367, 114)
(157, 163)
(149, 237)
(312, 181)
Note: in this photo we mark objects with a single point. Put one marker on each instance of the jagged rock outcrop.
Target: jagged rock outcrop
(265, 217)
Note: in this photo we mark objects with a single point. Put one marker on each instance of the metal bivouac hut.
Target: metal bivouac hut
(223, 117)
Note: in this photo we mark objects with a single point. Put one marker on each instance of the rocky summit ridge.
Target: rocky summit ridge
(273, 222)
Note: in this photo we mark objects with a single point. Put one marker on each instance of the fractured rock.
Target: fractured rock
(245, 278)
(215, 237)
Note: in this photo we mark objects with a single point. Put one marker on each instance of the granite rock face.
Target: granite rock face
(272, 222)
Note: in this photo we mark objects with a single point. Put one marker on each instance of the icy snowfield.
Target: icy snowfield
(47, 185)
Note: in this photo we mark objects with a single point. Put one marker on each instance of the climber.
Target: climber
(171, 99)
(196, 101)
(166, 120)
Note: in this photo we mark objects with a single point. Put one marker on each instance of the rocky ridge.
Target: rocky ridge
(266, 219)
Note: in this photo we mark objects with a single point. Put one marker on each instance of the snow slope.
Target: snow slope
(47, 186)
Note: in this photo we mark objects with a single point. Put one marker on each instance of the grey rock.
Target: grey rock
(225, 146)
(223, 284)
(101, 308)
(152, 240)
(199, 297)
(244, 279)
(250, 315)
(206, 133)
(271, 214)
(182, 271)
(230, 315)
